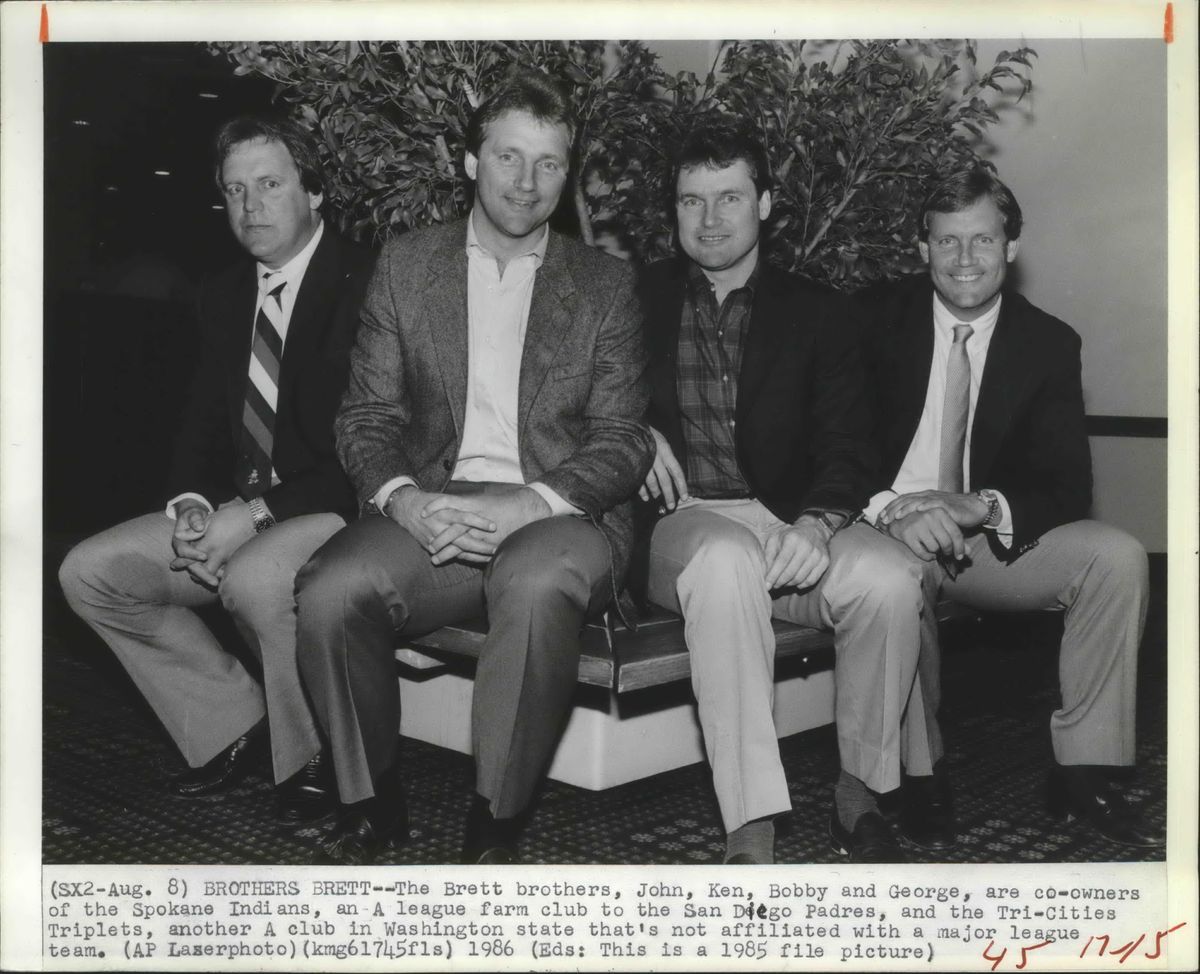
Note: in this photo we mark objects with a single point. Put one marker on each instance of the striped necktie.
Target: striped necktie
(262, 395)
(955, 408)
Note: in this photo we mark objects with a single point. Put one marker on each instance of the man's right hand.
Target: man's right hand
(665, 481)
(929, 534)
(191, 521)
(447, 526)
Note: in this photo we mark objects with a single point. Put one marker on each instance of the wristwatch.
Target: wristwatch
(259, 514)
(834, 520)
(992, 499)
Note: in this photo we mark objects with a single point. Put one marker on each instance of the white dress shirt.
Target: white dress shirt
(919, 471)
(497, 318)
(292, 274)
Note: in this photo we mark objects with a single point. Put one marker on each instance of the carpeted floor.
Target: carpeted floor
(105, 757)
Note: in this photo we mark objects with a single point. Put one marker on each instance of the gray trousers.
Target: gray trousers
(1098, 576)
(120, 583)
(373, 582)
(706, 562)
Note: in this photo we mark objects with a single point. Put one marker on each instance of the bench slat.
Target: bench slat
(466, 640)
(656, 654)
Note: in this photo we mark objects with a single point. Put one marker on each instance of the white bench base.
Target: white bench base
(609, 740)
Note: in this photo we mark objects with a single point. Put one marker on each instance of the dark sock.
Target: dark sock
(754, 839)
(853, 800)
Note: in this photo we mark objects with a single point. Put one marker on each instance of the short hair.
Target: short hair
(299, 142)
(962, 190)
(718, 142)
(527, 91)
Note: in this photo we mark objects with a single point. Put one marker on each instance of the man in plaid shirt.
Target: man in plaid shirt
(763, 454)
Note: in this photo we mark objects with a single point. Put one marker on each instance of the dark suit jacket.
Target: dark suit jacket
(803, 427)
(312, 380)
(581, 391)
(1028, 439)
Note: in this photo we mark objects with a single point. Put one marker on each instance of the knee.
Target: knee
(726, 555)
(887, 576)
(80, 571)
(255, 581)
(328, 587)
(1122, 557)
(532, 576)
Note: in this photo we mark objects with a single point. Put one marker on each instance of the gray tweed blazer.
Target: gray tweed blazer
(582, 390)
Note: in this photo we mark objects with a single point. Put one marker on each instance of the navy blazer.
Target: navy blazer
(803, 423)
(312, 379)
(1028, 438)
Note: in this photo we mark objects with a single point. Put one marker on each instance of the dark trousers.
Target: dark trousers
(373, 582)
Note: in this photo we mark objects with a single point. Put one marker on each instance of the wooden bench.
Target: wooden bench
(633, 713)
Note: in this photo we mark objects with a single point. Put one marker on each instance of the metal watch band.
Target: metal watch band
(993, 503)
(260, 515)
(835, 520)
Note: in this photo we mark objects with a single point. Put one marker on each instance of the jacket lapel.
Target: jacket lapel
(239, 313)
(767, 318)
(313, 306)
(911, 360)
(445, 315)
(550, 320)
(997, 387)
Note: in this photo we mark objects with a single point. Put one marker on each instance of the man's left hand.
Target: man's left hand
(966, 510)
(229, 527)
(797, 554)
(509, 510)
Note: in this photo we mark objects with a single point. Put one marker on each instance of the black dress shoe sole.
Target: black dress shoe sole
(1072, 819)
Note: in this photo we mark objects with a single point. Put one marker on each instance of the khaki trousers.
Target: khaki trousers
(120, 583)
(706, 562)
(1098, 575)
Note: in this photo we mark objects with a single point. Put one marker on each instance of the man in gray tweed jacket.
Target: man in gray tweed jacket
(492, 431)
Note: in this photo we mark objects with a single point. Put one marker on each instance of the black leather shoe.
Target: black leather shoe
(367, 828)
(1087, 795)
(225, 770)
(488, 840)
(871, 841)
(927, 812)
(308, 795)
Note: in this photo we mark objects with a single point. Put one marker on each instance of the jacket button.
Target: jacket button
(445, 464)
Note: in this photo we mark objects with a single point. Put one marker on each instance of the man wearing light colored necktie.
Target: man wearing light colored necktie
(987, 479)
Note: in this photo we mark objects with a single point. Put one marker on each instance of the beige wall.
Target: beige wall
(1085, 154)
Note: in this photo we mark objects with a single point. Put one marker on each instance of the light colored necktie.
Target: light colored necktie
(954, 412)
(262, 396)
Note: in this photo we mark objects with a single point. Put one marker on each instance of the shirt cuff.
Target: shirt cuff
(1004, 529)
(877, 503)
(554, 499)
(187, 496)
(385, 491)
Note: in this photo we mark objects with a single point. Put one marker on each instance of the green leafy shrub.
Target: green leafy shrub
(856, 131)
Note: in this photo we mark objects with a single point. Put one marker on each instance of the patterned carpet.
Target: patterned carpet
(105, 757)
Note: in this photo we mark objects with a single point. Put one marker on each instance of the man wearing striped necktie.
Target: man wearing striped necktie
(255, 486)
(988, 481)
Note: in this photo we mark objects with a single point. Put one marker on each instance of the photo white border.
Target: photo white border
(21, 303)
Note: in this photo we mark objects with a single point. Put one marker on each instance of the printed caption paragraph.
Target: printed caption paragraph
(950, 917)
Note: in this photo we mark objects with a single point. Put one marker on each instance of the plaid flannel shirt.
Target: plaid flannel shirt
(711, 340)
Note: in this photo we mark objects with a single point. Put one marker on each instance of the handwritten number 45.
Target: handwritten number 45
(997, 958)
(1102, 942)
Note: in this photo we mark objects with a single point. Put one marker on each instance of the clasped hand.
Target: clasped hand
(797, 554)
(931, 522)
(205, 540)
(467, 527)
